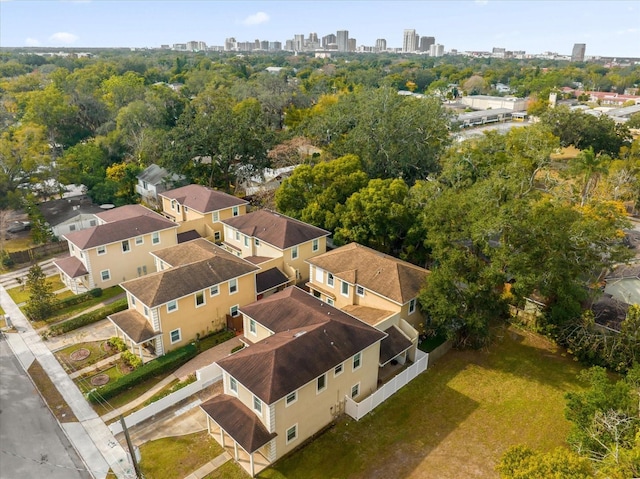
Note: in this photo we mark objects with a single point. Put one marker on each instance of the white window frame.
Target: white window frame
(92, 222)
(139, 240)
(338, 370)
(155, 238)
(412, 306)
(295, 433)
(204, 299)
(330, 301)
(215, 216)
(173, 205)
(360, 290)
(233, 286)
(235, 211)
(357, 358)
(315, 245)
(171, 309)
(256, 241)
(252, 327)
(237, 235)
(342, 288)
(291, 398)
(233, 385)
(174, 341)
(214, 290)
(101, 250)
(355, 390)
(234, 310)
(72, 227)
(132, 300)
(294, 252)
(246, 241)
(145, 311)
(319, 278)
(108, 275)
(126, 247)
(324, 387)
(257, 405)
(330, 279)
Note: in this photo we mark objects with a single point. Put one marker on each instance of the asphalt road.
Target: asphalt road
(31, 441)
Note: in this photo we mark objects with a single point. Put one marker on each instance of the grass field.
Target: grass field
(20, 294)
(453, 421)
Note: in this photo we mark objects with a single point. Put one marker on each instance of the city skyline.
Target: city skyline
(469, 25)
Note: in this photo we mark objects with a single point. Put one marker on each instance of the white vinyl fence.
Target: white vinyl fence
(204, 377)
(359, 410)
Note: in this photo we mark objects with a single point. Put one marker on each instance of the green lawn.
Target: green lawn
(453, 421)
(177, 457)
(20, 294)
(67, 313)
(229, 470)
(114, 372)
(98, 350)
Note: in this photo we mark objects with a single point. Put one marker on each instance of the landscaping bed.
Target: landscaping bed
(70, 361)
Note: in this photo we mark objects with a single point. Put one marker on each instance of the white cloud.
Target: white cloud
(63, 38)
(481, 2)
(628, 31)
(32, 42)
(256, 19)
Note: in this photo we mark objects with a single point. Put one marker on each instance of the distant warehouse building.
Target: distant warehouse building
(475, 118)
(484, 102)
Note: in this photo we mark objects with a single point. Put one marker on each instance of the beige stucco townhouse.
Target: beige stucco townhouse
(201, 209)
(197, 288)
(272, 240)
(292, 381)
(116, 249)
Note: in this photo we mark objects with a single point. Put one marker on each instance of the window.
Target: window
(133, 300)
(292, 433)
(233, 286)
(233, 385)
(235, 211)
(291, 398)
(321, 383)
(178, 207)
(101, 250)
(81, 254)
(252, 326)
(315, 245)
(412, 306)
(146, 311)
(173, 204)
(257, 405)
(125, 246)
(142, 270)
(72, 227)
(357, 361)
(92, 222)
(105, 275)
(233, 310)
(355, 390)
(217, 236)
(246, 240)
(186, 210)
(237, 235)
(172, 306)
(359, 290)
(330, 301)
(175, 335)
(294, 252)
(337, 371)
(256, 242)
(214, 290)
(139, 240)
(329, 279)
(345, 288)
(155, 238)
(319, 275)
(72, 248)
(215, 216)
(199, 298)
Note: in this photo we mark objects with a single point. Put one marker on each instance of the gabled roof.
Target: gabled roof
(71, 266)
(188, 276)
(269, 279)
(59, 211)
(120, 229)
(311, 338)
(274, 228)
(383, 274)
(134, 325)
(395, 343)
(238, 421)
(155, 175)
(203, 199)
(123, 213)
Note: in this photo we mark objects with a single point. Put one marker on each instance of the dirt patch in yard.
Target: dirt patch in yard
(51, 395)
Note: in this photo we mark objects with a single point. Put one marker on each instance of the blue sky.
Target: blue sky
(609, 28)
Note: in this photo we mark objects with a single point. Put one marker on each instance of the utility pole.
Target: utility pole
(132, 452)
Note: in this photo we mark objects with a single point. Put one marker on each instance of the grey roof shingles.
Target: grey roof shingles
(310, 338)
(203, 199)
(276, 229)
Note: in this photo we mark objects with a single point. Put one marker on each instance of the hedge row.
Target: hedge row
(163, 364)
(88, 318)
(214, 339)
(77, 299)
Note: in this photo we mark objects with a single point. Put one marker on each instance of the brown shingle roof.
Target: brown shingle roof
(188, 252)
(394, 344)
(270, 279)
(203, 199)
(276, 229)
(187, 276)
(122, 213)
(311, 338)
(385, 275)
(367, 314)
(119, 230)
(238, 421)
(134, 325)
(71, 266)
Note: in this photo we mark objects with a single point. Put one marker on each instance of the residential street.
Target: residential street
(32, 443)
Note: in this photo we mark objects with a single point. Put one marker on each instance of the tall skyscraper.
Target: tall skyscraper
(298, 42)
(381, 45)
(409, 41)
(330, 39)
(577, 55)
(351, 45)
(342, 38)
(436, 50)
(426, 42)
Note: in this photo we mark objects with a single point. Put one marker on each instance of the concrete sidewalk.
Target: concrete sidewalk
(93, 440)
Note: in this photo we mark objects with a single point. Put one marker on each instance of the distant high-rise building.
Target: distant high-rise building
(298, 42)
(498, 52)
(275, 46)
(409, 41)
(230, 44)
(351, 45)
(288, 45)
(342, 39)
(330, 39)
(264, 45)
(577, 55)
(313, 37)
(381, 45)
(426, 42)
(436, 50)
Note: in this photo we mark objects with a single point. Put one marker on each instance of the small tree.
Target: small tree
(40, 304)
